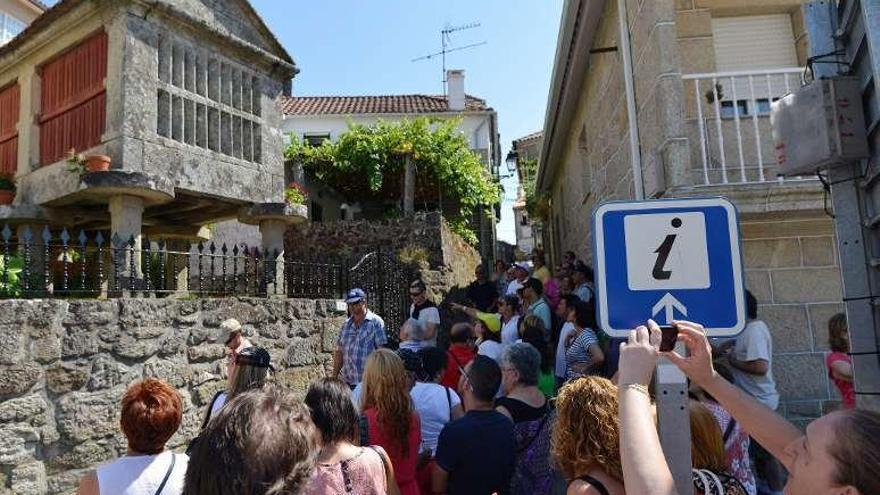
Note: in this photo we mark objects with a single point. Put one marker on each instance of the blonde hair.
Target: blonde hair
(707, 444)
(586, 434)
(386, 389)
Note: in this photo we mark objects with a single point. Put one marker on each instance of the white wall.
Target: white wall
(525, 240)
(476, 126)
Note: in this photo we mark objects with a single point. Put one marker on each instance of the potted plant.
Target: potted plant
(295, 194)
(7, 189)
(87, 164)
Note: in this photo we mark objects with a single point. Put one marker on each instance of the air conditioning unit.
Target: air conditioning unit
(819, 126)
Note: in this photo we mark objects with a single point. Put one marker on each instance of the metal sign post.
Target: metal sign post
(667, 260)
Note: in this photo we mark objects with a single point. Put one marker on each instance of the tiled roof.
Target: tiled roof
(529, 137)
(349, 105)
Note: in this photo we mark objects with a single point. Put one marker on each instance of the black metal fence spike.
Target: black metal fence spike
(115, 240)
(65, 236)
(235, 250)
(47, 235)
(27, 235)
(200, 246)
(82, 237)
(131, 241)
(6, 233)
(212, 247)
(99, 239)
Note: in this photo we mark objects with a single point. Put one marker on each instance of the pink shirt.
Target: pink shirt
(364, 472)
(846, 388)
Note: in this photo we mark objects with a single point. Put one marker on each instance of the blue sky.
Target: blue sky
(350, 47)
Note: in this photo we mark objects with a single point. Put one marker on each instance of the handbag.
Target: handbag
(711, 483)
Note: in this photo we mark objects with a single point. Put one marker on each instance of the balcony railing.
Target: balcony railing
(728, 115)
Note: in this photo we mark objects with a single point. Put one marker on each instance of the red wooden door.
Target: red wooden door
(73, 99)
(9, 106)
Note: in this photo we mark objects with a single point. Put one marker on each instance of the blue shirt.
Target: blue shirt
(540, 309)
(357, 343)
(479, 453)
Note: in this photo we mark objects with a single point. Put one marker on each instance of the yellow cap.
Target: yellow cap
(490, 320)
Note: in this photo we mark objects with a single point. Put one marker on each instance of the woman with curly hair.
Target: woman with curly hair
(389, 418)
(585, 444)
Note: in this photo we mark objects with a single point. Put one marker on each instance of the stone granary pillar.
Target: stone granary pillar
(126, 220)
(273, 220)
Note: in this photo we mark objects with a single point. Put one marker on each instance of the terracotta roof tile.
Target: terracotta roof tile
(348, 105)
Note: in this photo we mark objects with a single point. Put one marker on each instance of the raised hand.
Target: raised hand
(638, 355)
(698, 363)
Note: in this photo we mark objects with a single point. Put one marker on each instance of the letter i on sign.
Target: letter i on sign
(666, 251)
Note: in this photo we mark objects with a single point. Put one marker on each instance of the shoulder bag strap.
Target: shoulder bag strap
(167, 474)
(729, 430)
(595, 484)
(210, 407)
(363, 426)
(390, 482)
(449, 401)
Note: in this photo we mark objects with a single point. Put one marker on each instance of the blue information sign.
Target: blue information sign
(669, 259)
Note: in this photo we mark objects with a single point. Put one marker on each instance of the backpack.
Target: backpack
(532, 474)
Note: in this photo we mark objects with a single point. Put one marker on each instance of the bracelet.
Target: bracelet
(637, 387)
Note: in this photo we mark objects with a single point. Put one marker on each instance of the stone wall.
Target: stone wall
(596, 162)
(64, 366)
(427, 231)
(792, 269)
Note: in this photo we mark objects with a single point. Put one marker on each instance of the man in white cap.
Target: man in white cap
(521, 274)
(234, 341)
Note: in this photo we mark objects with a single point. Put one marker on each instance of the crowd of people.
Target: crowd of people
(526, 396)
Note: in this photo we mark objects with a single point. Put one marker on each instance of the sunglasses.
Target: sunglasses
(415, 294)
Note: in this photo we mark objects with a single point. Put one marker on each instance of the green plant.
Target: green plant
(76, 162)
(414, 255)
(295, 194)
(375, 156)
(7, 183)
(12, 266)
(461, 227)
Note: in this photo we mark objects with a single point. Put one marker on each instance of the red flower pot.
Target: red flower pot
(97, 163)
(6, 197)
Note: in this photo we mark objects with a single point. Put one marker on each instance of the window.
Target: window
(9, 105)
(10, 27)
(313, 139)
(207, 101)
(524, 220)
(73, 99)
(762, 106)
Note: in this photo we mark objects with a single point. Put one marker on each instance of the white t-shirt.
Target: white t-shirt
(219, 402)
(426, 315)
(142, 474)
(434, 407)
(752, 344)
(509, 331)
(492, 349)
(566, 330)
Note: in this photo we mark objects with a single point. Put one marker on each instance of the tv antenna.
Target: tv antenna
(444, 45)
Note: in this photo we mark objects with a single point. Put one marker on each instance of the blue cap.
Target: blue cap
(355, 296)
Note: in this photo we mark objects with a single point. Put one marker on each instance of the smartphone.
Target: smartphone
(670, 335)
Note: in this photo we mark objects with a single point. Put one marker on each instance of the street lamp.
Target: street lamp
(512, 158)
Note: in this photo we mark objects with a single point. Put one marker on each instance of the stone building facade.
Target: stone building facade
(182, 95)
(64, 366)
(703, 75)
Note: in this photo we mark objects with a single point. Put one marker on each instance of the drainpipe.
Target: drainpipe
(632, 117)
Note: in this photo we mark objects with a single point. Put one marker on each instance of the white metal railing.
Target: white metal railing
(732, 114)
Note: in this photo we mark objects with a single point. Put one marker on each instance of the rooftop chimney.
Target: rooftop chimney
(455, 90)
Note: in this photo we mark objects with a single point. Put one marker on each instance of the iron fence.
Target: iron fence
(94, 264)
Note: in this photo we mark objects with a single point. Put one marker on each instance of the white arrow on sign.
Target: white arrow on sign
(669, 302)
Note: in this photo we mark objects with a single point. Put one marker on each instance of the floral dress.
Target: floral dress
(736, 449)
